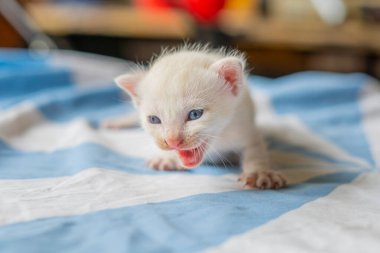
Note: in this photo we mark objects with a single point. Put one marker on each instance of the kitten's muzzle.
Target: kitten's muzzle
(174, 143)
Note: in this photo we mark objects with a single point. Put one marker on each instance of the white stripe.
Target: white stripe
(97, 189)
(370, 104)
(24, 128)
(347, 220)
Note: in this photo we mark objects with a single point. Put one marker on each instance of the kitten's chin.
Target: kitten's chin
(191, 158)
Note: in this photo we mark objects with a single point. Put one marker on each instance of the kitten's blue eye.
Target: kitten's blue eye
(195, 114)
(154, 119)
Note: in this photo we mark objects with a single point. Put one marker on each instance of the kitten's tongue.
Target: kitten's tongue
(191, 157)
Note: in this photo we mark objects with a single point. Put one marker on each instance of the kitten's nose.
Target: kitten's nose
(174, 142)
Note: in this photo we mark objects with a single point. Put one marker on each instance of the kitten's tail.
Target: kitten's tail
(129, 121)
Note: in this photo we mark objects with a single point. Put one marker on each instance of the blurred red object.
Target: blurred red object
(205, 12)
(153, 3)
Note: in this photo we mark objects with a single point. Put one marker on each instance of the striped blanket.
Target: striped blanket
(67, 185)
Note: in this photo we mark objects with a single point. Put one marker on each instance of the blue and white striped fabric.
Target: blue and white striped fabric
(68, 186)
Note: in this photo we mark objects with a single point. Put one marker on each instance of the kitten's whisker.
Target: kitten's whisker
(220, 157)
(209, 135)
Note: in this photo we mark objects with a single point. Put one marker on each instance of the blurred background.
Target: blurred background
(278, 36)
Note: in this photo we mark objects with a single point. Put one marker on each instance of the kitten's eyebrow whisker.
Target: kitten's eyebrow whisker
(208, 135)
(212, 137)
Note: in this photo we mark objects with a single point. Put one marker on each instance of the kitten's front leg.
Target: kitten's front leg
(256, 168)
(167, 160)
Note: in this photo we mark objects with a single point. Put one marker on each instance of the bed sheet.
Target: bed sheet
(67, 185)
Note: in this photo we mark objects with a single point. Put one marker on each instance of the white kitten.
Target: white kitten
(195, 101)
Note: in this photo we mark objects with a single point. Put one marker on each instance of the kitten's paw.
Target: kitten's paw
(164, 163)
(263, 180)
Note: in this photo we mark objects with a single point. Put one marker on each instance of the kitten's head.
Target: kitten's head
(186, 107)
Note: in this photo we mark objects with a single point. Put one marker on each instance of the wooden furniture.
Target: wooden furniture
(8, 36)
(110, 20)
(274, 45)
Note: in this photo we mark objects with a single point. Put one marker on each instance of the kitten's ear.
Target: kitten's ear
(231, 69)
(129, 83)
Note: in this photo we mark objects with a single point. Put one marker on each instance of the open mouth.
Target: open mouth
(192, 157)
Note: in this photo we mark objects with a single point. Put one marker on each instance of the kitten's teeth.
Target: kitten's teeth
(191, 157)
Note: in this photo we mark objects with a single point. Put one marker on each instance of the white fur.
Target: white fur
(194, 77)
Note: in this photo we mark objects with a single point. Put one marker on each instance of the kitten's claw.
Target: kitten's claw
(164, 163)
(263, 180)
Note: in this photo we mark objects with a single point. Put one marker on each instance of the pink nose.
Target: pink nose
(174, 143)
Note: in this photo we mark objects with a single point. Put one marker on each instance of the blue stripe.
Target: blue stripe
(328, 103)
(23, 73)
(62, 104)
(190, 224)
(16, 164)
(93, 104)
(16, 59)
(75, 159)
(22, 82)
